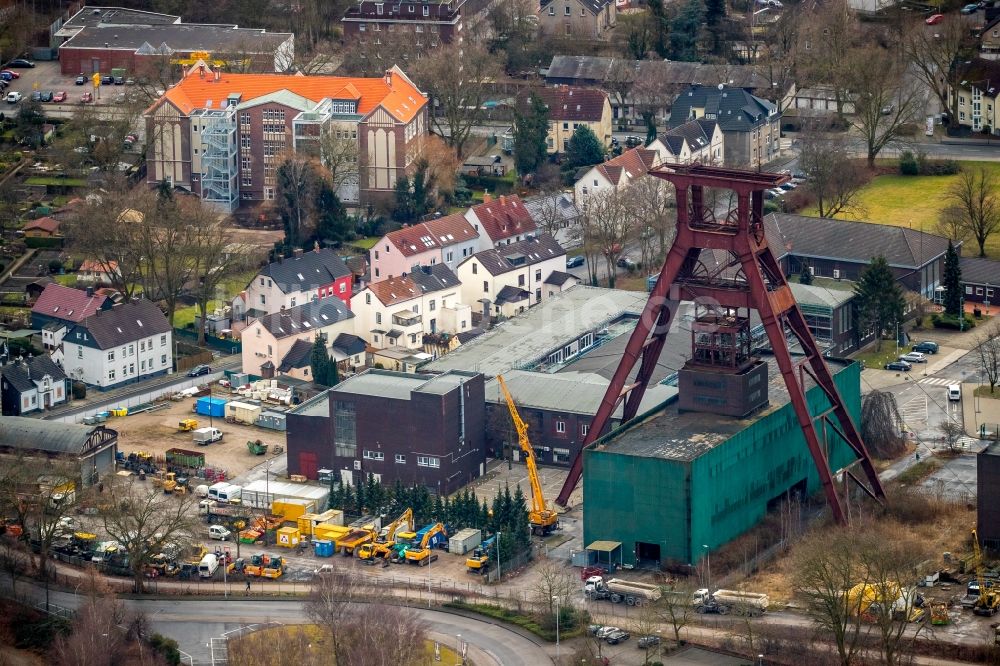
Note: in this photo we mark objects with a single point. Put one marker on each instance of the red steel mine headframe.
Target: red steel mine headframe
(760, 284)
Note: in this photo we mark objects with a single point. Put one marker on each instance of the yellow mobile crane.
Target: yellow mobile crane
(542, 519)
(988, 602)
(384, 543)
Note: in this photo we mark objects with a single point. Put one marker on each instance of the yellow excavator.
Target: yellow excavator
(382, 546)
(543, 520)
(421, 554)
(988, 602)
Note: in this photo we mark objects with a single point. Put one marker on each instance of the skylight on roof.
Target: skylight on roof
(325, 318)
(139, 321)
(305, 324)
(300, 276)
(119, 329)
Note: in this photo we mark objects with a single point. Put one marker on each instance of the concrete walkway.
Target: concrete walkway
(977, 411)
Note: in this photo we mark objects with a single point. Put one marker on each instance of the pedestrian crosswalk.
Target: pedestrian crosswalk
(914, 411)
(936, 381)
(965, 442)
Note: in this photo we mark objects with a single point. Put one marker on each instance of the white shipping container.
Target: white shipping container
(465, 541)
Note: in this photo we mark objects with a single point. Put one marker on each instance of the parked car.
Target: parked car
(20, 63)
(777, 192)
(789, 186)
(648, 642)
(4, 84)
(970, 8)
(603, 632)
(107, 80)
(7, 76)
(934, 19)
(131, 82)
(627, 262)
(902, 366)
(80, 80)
(616, 637)
(218, 532)
(46, 96)
(60, 96)
(573, 262)
(36, 96)
(926, 347)
(888, 109)
(632, 141)
(594, 628)
(14, 97)
(200, 370)
(913, 357)
(86, 98)
(12, 73)
(119, 80)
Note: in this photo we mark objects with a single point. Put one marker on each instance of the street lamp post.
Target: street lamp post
(458, 648)
(556, 599)
(499, 575)
(708, 563)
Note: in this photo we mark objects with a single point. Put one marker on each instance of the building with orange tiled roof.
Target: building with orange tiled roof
(501, 221)
(446, 240)
(399, 311)
(221, 135)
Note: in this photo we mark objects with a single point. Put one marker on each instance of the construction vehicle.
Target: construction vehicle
(725, 602)
(255, 567)
(481, 558)
(421, 552)
(169, 482)
(354, 539)
(381, 547)
(273, 567)
(988, 602)
(617, 591)
(543, 520)
(187, 425)
(868, 600)
(256, 447)
(939, 613)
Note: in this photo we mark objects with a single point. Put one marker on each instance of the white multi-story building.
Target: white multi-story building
(128, 343)
(512, 277)
(288, 283)
(446, 240)
(397, 312)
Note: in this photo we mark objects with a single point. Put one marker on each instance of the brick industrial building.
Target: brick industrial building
(147, 44)
(426, 24)
(435, 436)
(221, 135)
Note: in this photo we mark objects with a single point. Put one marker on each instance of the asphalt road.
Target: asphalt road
(194, 623)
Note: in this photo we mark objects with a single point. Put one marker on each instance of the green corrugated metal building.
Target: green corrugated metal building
(668, 482)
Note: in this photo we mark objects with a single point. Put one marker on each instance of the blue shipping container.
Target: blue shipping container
(207, 406)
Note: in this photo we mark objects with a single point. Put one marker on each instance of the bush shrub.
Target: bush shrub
(45, 243)
(55, 266)
(494, 184)
(918, 164)
(167, 647)
(908, 164)
(951, 322)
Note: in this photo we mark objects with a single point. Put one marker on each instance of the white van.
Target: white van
(954, 392)
(213, 490)
(201, 491)
(231, 493)
(218, 532)
(208, 565)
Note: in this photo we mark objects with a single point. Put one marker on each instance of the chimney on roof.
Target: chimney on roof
(297, 252)
(486, 197)
(388, 77)
(218, 74)
(90, 291)
(503, 200)
(315, 246)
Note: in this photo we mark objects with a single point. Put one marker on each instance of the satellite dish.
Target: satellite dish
(722, 86)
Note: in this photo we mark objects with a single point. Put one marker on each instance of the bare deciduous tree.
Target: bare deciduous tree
(675, 607)
(834, 178)
(653, 199)
(95, 638)
(555, 586)
(607, 222)
(988, 348)
(951, 432)
(338, 151)
(457, 95)
(974, 196)
(143, 520)
(934, 54)
(881, 423)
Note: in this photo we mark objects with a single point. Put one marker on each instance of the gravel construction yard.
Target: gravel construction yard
(156, 432)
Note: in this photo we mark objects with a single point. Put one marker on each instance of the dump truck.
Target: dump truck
(617, 591)
(724, 602)
(354, 539)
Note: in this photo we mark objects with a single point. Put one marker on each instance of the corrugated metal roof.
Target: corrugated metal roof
(29, 434)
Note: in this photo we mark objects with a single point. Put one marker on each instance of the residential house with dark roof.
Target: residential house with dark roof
(399, 311)
(841, 249)
(698, 141)
(618, 172)
(989, 39)
(58, 308)
(348, 352)
(672, 75)
(219, 134)
(569, 108)
(270, 342)
(91, 449)
(31, 385)
(423, 25)
(586, 19)
(980, 279)
(556, 213)
(292, 281)
(749, 124)
(500, 221)
(444, 240)
(511, 278)
(974, 99)
(128, 343)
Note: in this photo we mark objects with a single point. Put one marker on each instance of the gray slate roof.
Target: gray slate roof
(810, 294)
(843, 240)
(510, 294)
(21, 432)
(735, 109)
(182, 37)
(306, 318)
(559, 278)
(123, 323)
(434, 278)
(348, 344)
(20, 375)
(697, 133)
(312, 270)
(546, 206)
(533, 250)
(979, 270)
(297, 357)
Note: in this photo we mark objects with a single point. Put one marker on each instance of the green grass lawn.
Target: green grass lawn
(55, 181)
(873, 359)
(68, 280)
(913, 201)
(366, 243)
(234, 285)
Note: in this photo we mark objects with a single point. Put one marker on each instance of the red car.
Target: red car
(13, 74)
(86, 97)
(59, 96)
(934, 19)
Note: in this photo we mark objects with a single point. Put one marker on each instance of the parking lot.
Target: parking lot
(46, 76)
